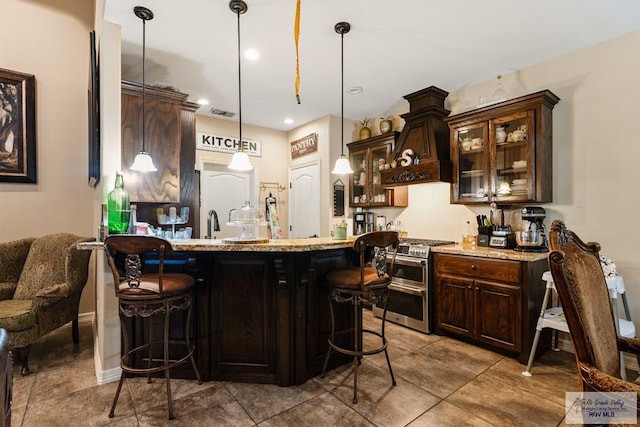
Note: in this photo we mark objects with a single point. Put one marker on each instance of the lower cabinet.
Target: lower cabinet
(493, 302)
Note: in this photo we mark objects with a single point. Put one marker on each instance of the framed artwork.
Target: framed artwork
(17, 127)
(94, 113)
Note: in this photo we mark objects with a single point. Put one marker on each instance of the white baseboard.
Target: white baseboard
(102, 376)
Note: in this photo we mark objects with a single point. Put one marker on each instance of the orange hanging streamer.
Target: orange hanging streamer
(296, 34)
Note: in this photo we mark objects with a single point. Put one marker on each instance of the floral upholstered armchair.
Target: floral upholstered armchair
(41, 281)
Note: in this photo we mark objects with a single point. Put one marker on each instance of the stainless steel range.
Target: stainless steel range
(409, 292)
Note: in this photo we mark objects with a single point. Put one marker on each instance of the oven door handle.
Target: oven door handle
(417, 262)
(407, 289)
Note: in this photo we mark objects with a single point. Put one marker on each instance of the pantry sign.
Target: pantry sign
(227, 144)
(305, 145)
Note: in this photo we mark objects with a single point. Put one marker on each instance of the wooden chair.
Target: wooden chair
(368, 282)
(6, 379)
(581, 286)
(142, 296)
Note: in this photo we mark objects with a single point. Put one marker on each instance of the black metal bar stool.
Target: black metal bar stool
(143, 295)
(368, 282)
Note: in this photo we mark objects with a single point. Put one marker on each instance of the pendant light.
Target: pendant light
(342, 166)
(240, 160)
(143, 161)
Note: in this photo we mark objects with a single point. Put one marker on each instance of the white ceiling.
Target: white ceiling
(394, 48)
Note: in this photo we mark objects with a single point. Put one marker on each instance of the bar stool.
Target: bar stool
(368, 282)
(553, 317)
(143, 295)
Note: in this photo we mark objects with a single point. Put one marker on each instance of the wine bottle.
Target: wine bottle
(118, 207)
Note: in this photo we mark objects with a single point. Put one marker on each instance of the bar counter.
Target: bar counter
(261, 311)
(215, 245)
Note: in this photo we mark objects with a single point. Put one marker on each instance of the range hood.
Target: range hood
(427, 135)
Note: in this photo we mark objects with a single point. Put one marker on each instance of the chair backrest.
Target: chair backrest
(579, 280)
(131, 247)
(375, 245)
(54, 259)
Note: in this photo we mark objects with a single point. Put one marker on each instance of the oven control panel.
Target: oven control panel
(418, 251)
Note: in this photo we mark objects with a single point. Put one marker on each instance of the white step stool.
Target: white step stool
(554, 317)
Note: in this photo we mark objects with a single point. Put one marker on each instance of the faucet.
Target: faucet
(216, 224)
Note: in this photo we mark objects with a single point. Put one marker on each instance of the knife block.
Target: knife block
(484, 235)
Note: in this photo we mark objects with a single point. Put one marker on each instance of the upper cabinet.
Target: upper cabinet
(502, 153)
(367, 158)
(170, 129)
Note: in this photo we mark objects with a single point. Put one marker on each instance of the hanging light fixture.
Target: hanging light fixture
(342, 166)
(240, 160)
(143, 161)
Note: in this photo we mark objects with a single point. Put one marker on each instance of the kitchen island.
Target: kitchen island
(261, 311)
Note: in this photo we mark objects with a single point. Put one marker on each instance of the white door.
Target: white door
(222, 190)
(304, 203)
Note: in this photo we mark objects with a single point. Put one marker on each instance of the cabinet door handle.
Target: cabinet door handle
(473, 267)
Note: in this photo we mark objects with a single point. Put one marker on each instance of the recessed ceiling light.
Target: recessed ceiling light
(251, 54)
(202, 101)
(288, 120)
(354, 90)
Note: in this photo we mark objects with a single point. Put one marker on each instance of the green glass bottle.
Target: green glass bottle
(118, 208)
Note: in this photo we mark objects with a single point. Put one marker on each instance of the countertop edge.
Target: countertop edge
(488, 252)
(217, 245)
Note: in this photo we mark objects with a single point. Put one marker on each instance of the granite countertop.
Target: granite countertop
(217, 245)
(487, 252)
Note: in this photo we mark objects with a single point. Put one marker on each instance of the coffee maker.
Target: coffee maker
(359, 221)
(369, 222)
(533, 237)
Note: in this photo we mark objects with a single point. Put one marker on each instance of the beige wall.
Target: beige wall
(51, 41)
(595, 154)
(271, 167)
(328, 130)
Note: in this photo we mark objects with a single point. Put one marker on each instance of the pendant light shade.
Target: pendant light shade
(240, 160)
(342, 166)
(143, 161)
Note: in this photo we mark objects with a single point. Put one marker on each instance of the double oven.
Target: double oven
(409, 301)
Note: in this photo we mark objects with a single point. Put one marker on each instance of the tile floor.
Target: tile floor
(441, 382)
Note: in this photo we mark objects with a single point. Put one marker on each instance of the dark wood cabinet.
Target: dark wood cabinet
(259, 317)
(170, 129)
(494, 302)
(502, 153)
(264, 317)
(366, 188)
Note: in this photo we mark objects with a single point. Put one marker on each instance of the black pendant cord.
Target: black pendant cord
(342, 94)
(144, 86)
(239, 85)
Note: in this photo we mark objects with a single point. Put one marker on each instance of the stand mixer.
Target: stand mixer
(534, 238)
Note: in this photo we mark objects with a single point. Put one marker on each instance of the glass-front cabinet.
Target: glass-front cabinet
(367, 157)
(502, 153)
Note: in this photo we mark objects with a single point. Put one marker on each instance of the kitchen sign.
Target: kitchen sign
(305, 145)
(227, 144)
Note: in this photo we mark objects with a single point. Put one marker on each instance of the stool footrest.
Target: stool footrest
(362, 352)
